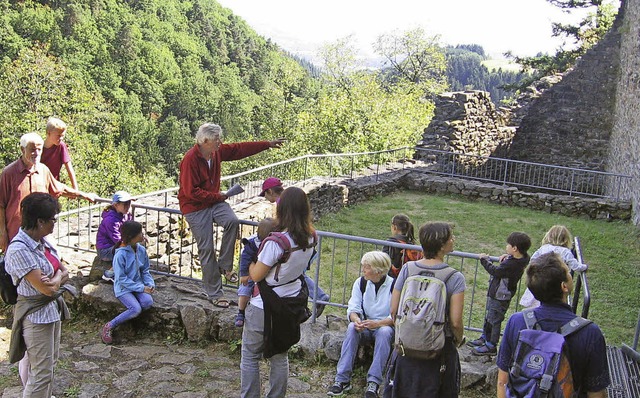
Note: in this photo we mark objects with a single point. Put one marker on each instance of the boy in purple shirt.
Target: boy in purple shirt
(549, 279)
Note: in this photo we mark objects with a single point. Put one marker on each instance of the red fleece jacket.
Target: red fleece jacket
(199, 183)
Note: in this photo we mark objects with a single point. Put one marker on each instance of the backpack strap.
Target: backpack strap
(25, 245)
(530, 318)
(363, 288)
(282, 241)
(574, 325)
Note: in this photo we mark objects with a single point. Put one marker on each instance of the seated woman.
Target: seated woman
(368, 313)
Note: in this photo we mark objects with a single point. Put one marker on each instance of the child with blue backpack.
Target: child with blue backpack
(502, 287)
(248, 256)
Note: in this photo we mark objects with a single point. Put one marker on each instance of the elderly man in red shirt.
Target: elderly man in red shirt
(22, 177)
(202, 204)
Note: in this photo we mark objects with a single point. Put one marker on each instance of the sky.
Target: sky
(301, 26)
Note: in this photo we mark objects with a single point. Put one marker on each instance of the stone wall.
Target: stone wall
(468, 123)
(326, 196)
(624, 150)
(571, 123)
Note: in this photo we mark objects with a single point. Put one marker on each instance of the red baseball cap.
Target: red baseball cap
(269, 183)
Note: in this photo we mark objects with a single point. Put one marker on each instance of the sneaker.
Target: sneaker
(106, 334)
(339, 388)
(239, 320)
(484, 350)
(108, 275)
(372, 390)
(477, 342)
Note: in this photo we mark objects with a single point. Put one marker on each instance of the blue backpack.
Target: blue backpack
(540, 364)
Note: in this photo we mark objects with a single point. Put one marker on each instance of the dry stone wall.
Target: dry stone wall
(468, 123)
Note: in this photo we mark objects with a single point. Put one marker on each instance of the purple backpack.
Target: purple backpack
(540, 364)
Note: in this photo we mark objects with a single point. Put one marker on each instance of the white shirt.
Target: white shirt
(287, 284)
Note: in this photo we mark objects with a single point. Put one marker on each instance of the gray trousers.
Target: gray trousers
(201, 224)
(252, 348)
(43, 345)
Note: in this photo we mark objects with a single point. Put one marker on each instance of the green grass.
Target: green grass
(611, 249)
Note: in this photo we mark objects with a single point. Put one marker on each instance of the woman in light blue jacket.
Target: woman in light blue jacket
(369, 321)
(133, 283)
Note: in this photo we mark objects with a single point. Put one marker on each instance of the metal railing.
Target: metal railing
(581, 283)
(525, 175)
(535, 176)
(335, 268)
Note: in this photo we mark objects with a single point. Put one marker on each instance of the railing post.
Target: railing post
(453, 165)
(572, 179)
(506, 172)
(377, 166)
(306, 164)
(351, 172)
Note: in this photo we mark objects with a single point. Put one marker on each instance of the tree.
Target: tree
(583, 36)
(415, 58)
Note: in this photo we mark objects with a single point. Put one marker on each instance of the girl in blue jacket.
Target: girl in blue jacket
(133, 283)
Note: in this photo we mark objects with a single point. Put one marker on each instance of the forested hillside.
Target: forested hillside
(466, 71)
(134, 79)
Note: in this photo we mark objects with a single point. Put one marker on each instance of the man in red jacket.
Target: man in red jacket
(202, 203)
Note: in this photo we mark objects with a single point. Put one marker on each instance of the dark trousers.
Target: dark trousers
(495, 312)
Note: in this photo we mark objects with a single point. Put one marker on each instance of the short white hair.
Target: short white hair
(55, 124)
(30, 138)
(208, 131)
(378, 261)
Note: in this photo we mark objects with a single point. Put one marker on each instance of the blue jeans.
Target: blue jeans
(136, 302)
(382, 338)
(311, 284)
(106, 254)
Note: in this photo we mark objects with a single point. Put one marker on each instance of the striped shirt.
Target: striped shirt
(23, 256)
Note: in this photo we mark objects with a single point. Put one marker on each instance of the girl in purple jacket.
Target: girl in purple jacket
(108, 238)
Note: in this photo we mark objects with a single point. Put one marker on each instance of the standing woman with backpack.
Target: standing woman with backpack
(273, 317)
(401, 232)
(411, 374)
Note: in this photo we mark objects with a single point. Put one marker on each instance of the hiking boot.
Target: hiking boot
(372, 390)
(108, 275)
(105, 335)
(477, 342)
(338, 388)
(484, 350)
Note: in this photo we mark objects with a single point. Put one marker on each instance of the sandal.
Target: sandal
(231, 276)
(239, 320)
(221, 303)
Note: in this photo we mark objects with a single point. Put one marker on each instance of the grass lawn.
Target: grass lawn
(611, 249)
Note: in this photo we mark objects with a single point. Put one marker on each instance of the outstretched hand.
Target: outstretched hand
(277, 143)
